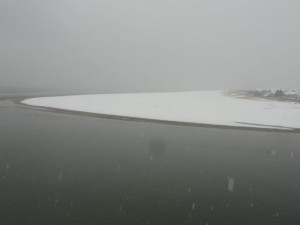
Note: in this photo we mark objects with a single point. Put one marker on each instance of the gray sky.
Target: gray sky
(150, 45)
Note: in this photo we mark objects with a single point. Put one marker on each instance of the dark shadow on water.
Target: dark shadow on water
(157, 147)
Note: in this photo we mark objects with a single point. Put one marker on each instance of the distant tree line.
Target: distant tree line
(278, 94)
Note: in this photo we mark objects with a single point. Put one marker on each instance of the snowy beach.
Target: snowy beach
(199, 107)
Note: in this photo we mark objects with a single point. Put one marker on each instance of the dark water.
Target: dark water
(67, 169)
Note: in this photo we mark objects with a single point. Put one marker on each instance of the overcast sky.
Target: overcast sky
(150, 45)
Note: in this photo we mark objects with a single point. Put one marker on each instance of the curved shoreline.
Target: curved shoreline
(147, 120)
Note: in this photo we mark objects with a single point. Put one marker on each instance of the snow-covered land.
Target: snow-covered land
(203, 107)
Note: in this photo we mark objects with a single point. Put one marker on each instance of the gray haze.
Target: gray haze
(153, 45)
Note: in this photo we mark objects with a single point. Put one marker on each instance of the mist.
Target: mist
(144, 46)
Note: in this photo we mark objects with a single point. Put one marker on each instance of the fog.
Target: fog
(157, 45)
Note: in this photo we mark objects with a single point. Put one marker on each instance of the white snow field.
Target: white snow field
(201, 107)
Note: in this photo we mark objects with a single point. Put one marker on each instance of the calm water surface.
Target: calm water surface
(68, 169)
